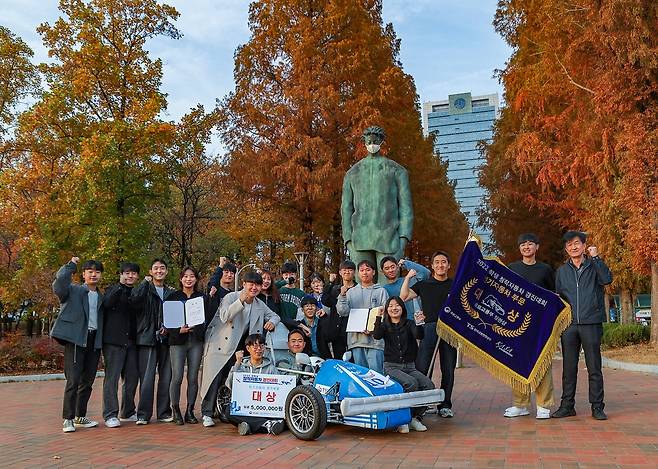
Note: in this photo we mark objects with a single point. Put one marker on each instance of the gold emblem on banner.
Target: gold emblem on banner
(498, 329)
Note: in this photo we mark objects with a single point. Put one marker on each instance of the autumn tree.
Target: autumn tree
(583, 83)
(312, 77)
(188, 225)
(89, 167)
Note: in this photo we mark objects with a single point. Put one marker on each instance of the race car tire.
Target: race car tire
(306, 412)
(223, 403)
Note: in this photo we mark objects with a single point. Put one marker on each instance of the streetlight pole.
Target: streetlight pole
(301, 259)
(237, 274)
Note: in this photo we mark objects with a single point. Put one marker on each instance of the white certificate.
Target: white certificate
(194, 312)
(357, 320)
(173, 313)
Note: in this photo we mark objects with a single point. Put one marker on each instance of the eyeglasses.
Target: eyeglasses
(257, 345)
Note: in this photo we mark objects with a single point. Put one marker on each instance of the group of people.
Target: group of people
(126, 323)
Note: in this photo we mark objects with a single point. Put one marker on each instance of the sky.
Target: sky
(448, 46)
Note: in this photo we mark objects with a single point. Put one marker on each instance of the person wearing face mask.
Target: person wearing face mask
(240, 313)
(291, 296)
(376, 208)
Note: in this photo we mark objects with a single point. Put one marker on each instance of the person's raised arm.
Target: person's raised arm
(342, 304)
(406, 293)
(422, 272)
(603, 274)
(63, 279)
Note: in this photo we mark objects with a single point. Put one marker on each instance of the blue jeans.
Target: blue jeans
(369, 357)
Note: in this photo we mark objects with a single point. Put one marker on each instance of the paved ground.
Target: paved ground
(31, 436)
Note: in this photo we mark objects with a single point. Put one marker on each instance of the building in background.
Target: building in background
(459, 124)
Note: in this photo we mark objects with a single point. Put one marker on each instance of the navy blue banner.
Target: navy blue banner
(506, 324)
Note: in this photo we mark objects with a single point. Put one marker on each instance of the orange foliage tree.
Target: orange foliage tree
(87, 166)
(582, 85)
(311, 78)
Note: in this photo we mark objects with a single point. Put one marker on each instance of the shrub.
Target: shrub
(20, 354)
(617, 335)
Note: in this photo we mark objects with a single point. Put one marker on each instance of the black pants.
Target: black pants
(447, 360)
(120, 362)
(209, 402)
(589, 337)
(151, 359)
(80, 365)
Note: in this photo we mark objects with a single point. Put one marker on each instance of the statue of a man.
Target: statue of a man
(376, 209)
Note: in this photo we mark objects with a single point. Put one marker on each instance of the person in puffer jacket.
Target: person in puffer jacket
(580, 282)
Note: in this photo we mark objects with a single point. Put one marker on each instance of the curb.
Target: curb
(47, 377)
(608, 363)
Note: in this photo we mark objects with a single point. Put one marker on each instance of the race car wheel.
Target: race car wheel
(306, 412)
(223, 403)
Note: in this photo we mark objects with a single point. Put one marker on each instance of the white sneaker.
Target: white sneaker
(68, 426)
(417, 426)
(84, 422)
(166, 419)
(514, 411)
(132, 418)
(112, 422)
(403, 429)
(208, 421)
(543, 413)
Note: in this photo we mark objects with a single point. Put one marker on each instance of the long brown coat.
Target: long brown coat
(226, 329)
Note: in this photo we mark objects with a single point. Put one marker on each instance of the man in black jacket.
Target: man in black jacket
(79, 328)
(152, 344)
(119, 349)
(580, 282)
(346, 271)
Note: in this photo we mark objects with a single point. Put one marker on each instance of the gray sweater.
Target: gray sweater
(360, 297)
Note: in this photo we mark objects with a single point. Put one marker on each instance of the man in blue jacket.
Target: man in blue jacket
(580, 282)
(79, 327)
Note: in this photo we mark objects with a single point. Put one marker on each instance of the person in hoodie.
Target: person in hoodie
(580, 282)
(256, 363)
(400, 349)
(366, 350)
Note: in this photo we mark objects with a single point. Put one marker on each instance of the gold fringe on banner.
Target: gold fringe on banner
(497, 369)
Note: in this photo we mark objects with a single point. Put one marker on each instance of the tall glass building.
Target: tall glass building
(459, 124)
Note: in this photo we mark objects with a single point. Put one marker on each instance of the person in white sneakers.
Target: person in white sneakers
(542, 275)
(400, 349)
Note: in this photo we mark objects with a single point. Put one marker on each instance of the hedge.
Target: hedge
(617, 335)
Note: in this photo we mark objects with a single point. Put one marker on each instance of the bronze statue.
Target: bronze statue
(376, 209)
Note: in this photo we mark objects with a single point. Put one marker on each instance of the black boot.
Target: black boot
(189, 415)
(178, 418)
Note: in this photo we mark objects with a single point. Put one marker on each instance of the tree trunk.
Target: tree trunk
(654, 303)
(627, 315)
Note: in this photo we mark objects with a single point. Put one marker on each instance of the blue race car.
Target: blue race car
(348, 394)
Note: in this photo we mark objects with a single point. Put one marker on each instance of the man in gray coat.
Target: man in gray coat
(79, 327)
(240, 314)
(376, 209)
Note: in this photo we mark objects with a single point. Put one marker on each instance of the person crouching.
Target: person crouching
(255, 363)
(400, 350)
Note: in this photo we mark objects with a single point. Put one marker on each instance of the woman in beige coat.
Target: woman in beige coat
(240, 313)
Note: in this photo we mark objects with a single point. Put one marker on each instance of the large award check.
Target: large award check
(508, 325)
(260, 395)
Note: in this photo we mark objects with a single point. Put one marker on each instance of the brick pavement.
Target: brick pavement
(479, 436)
